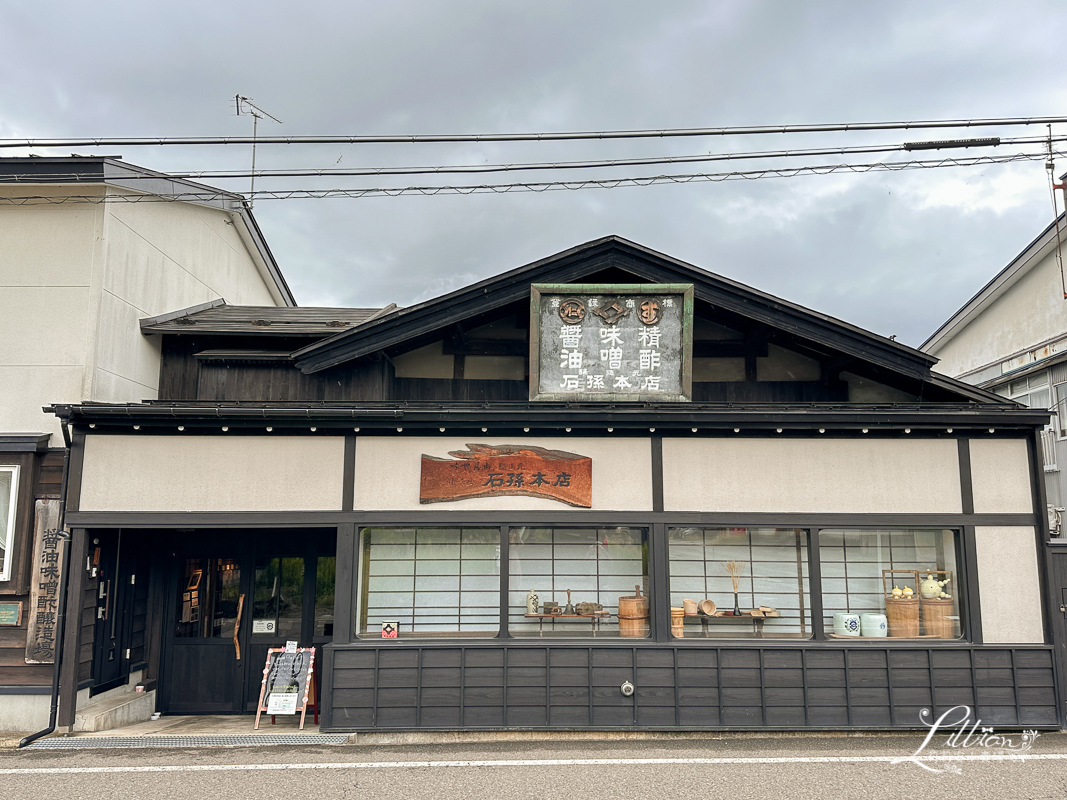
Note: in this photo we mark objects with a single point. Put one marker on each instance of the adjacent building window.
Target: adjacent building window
(430, 581)
(9, 487)
(908, 576)
(578, 582)
(756, 580)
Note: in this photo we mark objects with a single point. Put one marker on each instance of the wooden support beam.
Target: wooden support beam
(68, 673)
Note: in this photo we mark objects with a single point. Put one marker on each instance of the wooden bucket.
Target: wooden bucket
(633, 615)
(936, 622)
(678, 622)
(902, 616)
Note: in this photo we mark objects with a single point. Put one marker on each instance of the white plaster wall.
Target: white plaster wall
(161, 257)
(47, 256)
(388, 471)
(811, 475)
(1000, 476)
(212, 473)
(1029, 312)
(1010, 585)
(76, 278)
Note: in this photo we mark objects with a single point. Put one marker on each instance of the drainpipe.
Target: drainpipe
(61, 620)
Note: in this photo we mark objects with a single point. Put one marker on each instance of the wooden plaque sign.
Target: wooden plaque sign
(611, 342)
(288, 681)
(46, 576)
(508, 469)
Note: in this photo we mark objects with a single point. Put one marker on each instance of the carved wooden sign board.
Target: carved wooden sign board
(46, 576)
(507, 469)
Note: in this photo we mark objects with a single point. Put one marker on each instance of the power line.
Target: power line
(663, 133)
(66, 177)
(543, 186)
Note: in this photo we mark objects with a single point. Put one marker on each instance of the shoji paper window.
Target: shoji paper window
(851, 565)
(597, 565)
(773, 573)
(430, 582)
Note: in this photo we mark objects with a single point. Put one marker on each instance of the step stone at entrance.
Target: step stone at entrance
(127, 708)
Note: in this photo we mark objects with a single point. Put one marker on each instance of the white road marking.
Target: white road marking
(548, 762)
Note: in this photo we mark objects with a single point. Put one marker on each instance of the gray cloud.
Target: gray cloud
(871, 249)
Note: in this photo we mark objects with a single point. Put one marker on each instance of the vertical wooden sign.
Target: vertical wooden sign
(45, 578)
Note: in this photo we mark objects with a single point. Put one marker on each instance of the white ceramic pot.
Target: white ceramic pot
(873, 625)
(846, 624)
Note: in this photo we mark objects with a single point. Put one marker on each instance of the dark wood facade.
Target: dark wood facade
(761, 365)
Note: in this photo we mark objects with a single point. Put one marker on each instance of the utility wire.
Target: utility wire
(663, 133)
(68, 177)
(206, 195)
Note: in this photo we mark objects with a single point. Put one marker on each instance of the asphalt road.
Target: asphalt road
(802, 767)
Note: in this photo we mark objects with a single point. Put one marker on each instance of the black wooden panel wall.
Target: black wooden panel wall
(380, 687)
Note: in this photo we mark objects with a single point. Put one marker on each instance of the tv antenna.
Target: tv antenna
(245, 106)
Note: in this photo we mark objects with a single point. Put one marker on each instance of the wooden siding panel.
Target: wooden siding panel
(579, 686)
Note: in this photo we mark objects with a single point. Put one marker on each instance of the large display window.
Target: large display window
(586, 582)
(900, 583)
(578, 582)
(739, 583)
(430, 581)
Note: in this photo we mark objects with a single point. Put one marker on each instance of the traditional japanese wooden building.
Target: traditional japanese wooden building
(606, 490)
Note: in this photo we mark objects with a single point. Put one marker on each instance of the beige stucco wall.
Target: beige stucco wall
(811, 475)
(47, 257)
(1027, 313)
(388, 471)
(1010, 585)
(76, 278)
(186, 472)
(161, 257)
(1000, 476)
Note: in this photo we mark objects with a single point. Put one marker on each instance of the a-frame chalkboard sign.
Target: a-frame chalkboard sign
(288, 681)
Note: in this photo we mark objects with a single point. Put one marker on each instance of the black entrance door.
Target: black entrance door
(233, 595)
(115, 573)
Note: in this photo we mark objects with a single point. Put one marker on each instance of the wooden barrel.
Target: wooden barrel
(678, 622)
(902, 616)
(936, 618)
(633, 615)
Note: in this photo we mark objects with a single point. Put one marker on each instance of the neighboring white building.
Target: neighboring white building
(88, 247)
(1011, 338)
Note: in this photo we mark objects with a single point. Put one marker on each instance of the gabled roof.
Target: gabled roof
(113, 171)
(1030, 257)
(221, 319)
(570, 266)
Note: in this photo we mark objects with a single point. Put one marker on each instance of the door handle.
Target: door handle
(237, 627)
(107, 600)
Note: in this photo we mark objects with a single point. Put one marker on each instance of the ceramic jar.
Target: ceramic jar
(846, 624)
(873, 625)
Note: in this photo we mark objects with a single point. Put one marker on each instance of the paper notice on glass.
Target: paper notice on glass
(281, 703)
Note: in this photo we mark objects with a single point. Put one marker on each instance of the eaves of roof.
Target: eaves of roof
(570, 266)
(506, 418)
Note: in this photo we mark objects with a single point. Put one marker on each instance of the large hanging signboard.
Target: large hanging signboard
(611, 342)
(507, 469)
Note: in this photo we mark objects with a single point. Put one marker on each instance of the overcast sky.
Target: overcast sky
(894, 252)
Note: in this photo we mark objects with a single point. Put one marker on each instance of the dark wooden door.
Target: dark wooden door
(114, 613)
(208, 640)
(233, 596)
